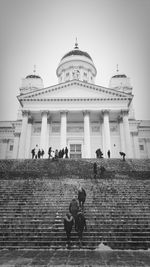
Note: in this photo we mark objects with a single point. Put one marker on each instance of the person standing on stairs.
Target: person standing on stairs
(74, 207)
(95, 169)
(80, 225)
(108, 154)
(81, 196)
(68, 224)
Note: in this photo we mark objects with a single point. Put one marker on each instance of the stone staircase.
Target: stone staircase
(35, 196)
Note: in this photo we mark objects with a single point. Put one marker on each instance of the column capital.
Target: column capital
(119, 119)
(63, 112)
(16, 134)
(44, 112)
(124, 112)
(5, 141)
(86, 112)
(25, 113)
(105, 111)
(49, 119)
(30, 120)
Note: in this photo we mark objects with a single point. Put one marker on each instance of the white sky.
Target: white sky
(41, 31)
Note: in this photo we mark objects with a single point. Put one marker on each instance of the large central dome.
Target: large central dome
(76, 64)
(77, 52)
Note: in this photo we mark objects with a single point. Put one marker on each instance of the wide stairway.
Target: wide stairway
(35, 196)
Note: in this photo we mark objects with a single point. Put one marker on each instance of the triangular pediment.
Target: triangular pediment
(74, 89)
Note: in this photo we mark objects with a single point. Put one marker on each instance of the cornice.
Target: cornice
(73, 99)
(57, 87)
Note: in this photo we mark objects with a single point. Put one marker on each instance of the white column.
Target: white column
(87, 139)
(106, 132)
(128, 148)
(49, 124)
(28, 141)
(102, 131)
(23, 136)
(122, 140)
(16, 145)
(136, 145)
(43, 139)
(63, 129)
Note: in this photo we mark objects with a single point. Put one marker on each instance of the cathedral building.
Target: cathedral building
(76, 113)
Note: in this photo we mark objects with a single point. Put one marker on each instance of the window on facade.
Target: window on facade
(85, 74)
(141, 147)
(11, 148)
(67, 74)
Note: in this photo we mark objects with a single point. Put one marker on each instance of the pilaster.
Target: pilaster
(28, 141)
(122, 138)
(128, 148)
(16, 145)
(5, 148)
(23, 136)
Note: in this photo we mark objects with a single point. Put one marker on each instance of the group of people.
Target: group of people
(62, 153)
(37, 153)
(99, 154)
(75, 217)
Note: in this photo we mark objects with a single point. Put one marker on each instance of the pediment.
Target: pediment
(74, 90)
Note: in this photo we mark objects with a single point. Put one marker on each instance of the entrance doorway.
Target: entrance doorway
(75, 151)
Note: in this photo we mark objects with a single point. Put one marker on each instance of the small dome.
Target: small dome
(33, 76)
(77, 52)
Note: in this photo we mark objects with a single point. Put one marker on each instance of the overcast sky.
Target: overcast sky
(41, 31)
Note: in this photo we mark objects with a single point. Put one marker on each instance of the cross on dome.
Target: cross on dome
(34, 70)
(76, 44)
(117, 68)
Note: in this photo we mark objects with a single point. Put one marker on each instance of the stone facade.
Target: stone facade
(76, 113)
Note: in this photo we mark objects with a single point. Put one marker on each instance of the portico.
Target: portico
(59, 129)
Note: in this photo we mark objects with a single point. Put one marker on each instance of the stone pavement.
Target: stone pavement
(85, 258)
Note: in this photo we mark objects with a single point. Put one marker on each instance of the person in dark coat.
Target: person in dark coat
(42, 153)
(95, 169)
(33, 153)
(74, 207)
(66, 152)
(81, 196)
(39, 154)
(68, 224)
(49, 152)
(80, 225)
(62, 153)
(108, 154)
